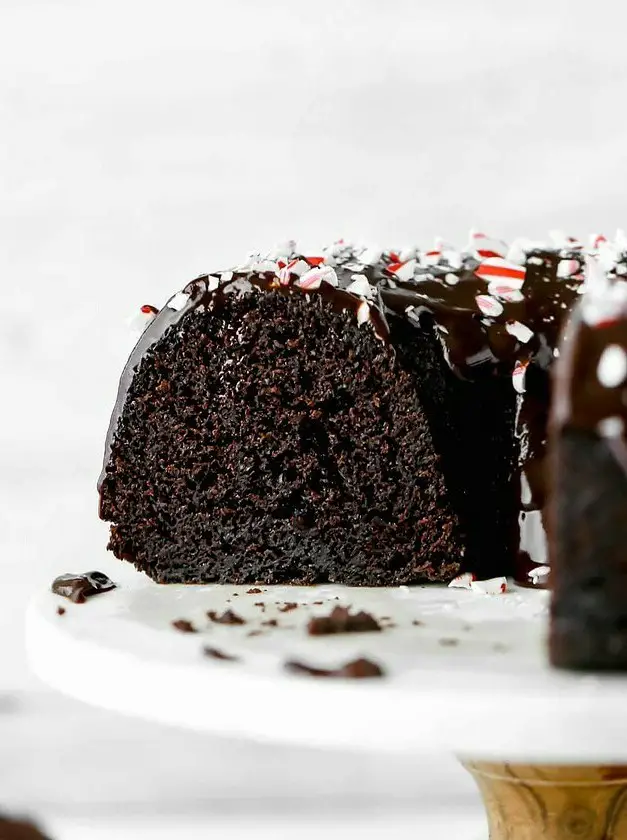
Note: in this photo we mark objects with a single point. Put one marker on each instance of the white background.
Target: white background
(142, 143)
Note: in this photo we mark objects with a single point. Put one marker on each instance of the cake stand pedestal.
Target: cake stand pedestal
(464, 672)
(553, 802)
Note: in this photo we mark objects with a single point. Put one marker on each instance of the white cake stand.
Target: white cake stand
(465, 672)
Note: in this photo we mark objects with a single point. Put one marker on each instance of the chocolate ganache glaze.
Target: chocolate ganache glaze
(497, 311)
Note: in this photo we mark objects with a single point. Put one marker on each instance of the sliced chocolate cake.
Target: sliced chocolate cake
(346, 418)
(282, 423)
(587, 509)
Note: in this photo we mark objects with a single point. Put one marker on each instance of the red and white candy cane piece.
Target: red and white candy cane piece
(597, 239)
(489, 305)
(495, 268)
(492, 586)
(519, 331)
(566, 268)
(297, 267)
(404, 270)
(314, 277)
(505, 293)
(463, 581)
(485, 247)
(433, 256)
(370, 256)
(518, 376)
(363, 312)
(178, 301)
(138, 322)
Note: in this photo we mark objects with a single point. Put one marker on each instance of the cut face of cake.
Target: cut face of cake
(588, 497)
(286, 426)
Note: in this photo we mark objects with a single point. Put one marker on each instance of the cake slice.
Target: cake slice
(287, 422)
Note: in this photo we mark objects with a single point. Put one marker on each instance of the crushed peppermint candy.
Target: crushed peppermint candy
(492, 586)
(363, 312)
(484, 246)
(489, 305)
(518, 376)
(370, 256)
(313, 278)
(178, 301)
(495, 268)
(360, 286)
(451, 279)
(463, 581)
(539, 575)
(612, 366)
(519, 331)
(567, 268)
(404, 270)
(140, 320)
(505, 293)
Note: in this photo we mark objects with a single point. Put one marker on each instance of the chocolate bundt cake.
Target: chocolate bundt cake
(587, 509)
(347, 418)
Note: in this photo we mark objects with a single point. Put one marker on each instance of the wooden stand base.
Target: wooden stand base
(544, 802)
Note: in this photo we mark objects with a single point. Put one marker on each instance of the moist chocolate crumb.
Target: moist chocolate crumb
(235, 595)
(356, 670)
(78, 588)
(417, 623)
(254, 633)
(341, 621)
(214, 653)
(254, 591)
(19, 829)
(272, 622)
(448, 642)
(60, 610)
(317, 603)
(228, 617)
(184, 626)
(288, 607)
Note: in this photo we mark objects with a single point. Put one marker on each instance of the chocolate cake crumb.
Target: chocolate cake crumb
(254, 591)
(341, 621)
(78, 588)
(317, 603)
(254, 633)
(356, 670)
(288, 607)
(60, 610)
(448, 642)
(19, 829)
(214, 653)
(272, 622)
(417, 623)
(184, 626)
(228, 617)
